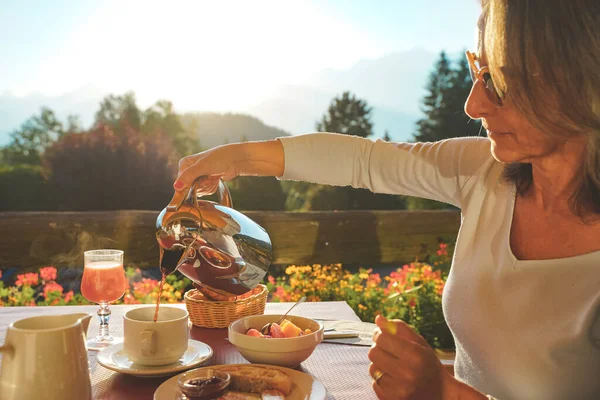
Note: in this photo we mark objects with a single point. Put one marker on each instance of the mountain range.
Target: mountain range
(393, 85)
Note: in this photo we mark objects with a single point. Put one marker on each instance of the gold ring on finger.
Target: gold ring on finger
(377, 375)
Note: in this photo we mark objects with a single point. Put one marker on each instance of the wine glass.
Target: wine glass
(103, 282)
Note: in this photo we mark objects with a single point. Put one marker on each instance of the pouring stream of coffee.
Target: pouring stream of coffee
(168, 262)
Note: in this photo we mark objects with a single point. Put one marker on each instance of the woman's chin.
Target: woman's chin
(504, 155)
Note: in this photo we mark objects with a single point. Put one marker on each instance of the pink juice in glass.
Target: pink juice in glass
(103, 281)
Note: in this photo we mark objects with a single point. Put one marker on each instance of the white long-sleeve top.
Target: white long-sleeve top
(523, 329)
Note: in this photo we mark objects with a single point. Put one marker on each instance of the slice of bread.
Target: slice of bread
(255, 379)
(229, 395)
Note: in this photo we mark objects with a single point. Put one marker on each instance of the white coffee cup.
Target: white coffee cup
(155, 343)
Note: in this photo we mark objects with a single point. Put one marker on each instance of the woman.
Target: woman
(523, 295)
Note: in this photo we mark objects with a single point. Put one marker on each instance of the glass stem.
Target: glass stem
(104, 314)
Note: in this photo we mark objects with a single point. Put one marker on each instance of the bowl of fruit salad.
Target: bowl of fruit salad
(286, 344)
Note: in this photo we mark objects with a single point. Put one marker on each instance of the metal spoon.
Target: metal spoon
(267, 328)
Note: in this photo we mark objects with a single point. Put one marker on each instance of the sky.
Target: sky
(191, 51)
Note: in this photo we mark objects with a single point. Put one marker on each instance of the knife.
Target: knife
(339, 334)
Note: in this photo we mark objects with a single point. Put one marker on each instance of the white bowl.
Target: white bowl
(285, 352)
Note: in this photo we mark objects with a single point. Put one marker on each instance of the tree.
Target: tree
(347, 115)
(433, 103)
(257, 193)
(386, 136)
(33, 137)
(24, 188)
(351, 116)
(443, 106)
(119, 113)
(100, 170)
(160, 118)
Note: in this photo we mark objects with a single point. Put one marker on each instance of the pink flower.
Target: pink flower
(280, 294)
(129, 299)
(68, 296)
(271, 280)
(145, 286)
(28, 279)
(52, 287)
(442, 251)
(48, 273)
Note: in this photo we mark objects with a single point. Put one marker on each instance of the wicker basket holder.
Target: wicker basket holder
(207, 313)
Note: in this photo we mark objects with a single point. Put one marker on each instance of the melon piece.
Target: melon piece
(290, 329)
(254, 332)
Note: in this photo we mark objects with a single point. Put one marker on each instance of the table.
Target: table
(342, 369)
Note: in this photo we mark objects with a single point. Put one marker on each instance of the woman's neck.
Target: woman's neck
(557, 177)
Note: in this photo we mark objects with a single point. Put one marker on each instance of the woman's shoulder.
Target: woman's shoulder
(477, 170)
(478, 144)
(466, 155)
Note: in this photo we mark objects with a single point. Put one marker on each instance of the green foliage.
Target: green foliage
(386, 136)
(349, 198)
(145, 290)
(412, 293)
(24, 188)
(347, 115)
(297, 193)
(98, 170)
(161, 119)
(38, 289)
(351, 116)
(257, 193)
(121, 113)
(443, 106)
(33, 137)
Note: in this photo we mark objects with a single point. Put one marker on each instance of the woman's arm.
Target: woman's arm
(438, 171)
(264, 158)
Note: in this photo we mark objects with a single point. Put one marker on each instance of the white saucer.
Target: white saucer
(115, 359)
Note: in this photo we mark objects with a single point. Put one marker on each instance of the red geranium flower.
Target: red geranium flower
(52, 287)
(48, 273)
(29, 279)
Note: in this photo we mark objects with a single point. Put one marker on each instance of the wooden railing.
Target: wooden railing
(33, 239)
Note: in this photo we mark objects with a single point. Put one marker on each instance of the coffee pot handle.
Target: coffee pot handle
(202, 186)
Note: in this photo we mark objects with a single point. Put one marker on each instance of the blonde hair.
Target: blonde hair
(546, 58)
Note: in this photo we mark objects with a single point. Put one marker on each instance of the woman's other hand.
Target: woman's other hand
(404, 366)
(231, 160)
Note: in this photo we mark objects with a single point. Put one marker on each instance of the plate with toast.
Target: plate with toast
(255, 382)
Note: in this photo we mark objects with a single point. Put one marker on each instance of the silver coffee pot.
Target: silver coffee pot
(211, 243)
